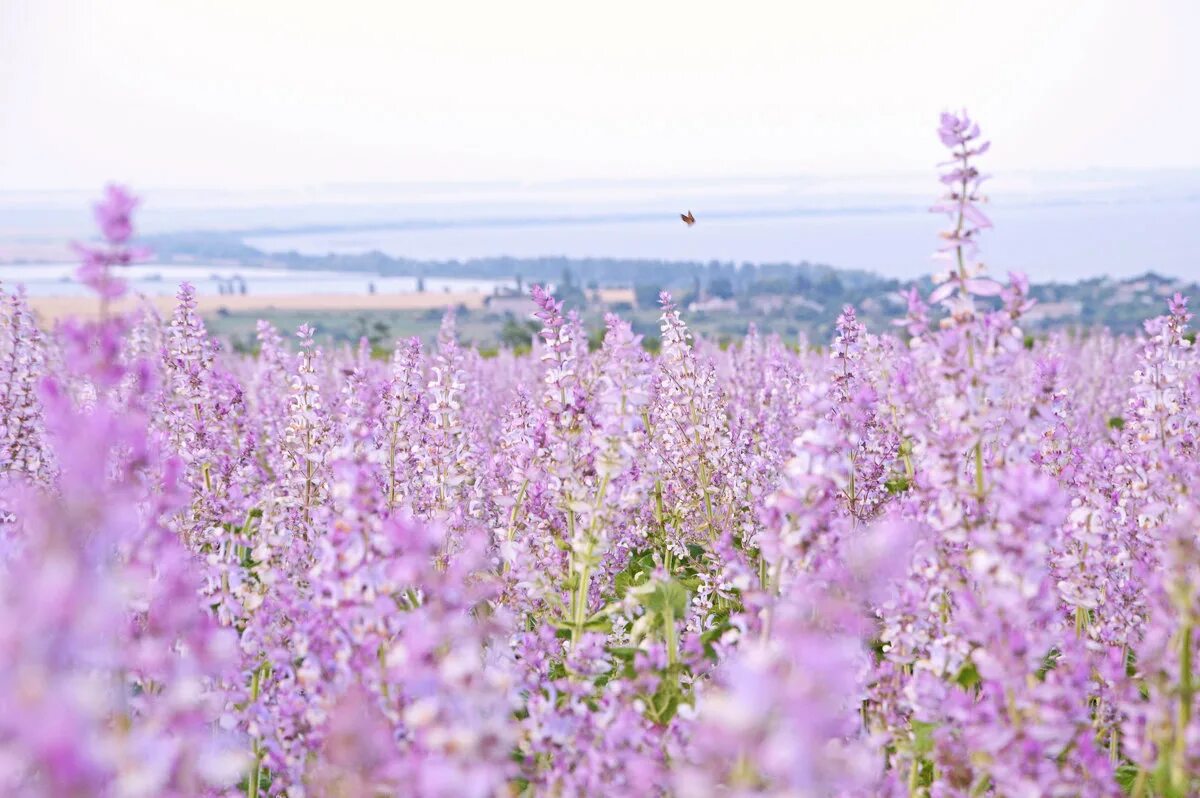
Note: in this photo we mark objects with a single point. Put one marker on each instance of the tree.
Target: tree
(646, 295)
(720, 287)
(517, 335)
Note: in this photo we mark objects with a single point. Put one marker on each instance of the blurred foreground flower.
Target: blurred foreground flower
(114, 215)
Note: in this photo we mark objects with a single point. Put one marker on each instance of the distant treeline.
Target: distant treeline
(592, 272)
(810, 295)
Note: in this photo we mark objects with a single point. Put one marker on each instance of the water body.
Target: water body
(1050, 242)
(1055, 226)
(164, 279)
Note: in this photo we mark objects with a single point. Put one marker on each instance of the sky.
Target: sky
(255, 93)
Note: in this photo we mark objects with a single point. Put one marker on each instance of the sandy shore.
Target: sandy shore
(51, 308)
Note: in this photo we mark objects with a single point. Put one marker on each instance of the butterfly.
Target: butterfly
(688, 219)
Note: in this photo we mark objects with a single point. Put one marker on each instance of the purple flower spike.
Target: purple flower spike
(961, 202)
(114, 214)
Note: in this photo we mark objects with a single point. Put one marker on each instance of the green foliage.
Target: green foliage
(968, 677)
(247, 345)
(646, 294)
(1127, 774)
(664, 703)
(720, 287)
(1049, 663)
(668, 597)
(636, 573)
(517, 335)
(922, 734)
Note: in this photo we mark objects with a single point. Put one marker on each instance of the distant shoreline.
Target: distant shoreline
(54, 308)
(57, 307)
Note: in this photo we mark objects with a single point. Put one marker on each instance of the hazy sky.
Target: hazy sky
(240, 93)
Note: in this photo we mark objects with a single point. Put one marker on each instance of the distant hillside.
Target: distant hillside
(722, 297)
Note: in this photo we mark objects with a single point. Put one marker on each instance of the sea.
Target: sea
(1056, 227)
(1054, 242)
(158, 279)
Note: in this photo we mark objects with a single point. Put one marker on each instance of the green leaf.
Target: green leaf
(665, 702)
(1049, 663)
(1127, 774)
(668, 596)
(711, 635)
(598, 625)
(968, 677)
(926, 773)
(634, 574)
(922, 737)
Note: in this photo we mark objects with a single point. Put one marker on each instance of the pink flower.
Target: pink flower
(114, 214)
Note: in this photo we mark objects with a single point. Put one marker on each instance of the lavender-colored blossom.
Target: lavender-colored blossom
(961, 204)
(957, 561)
(114, 215)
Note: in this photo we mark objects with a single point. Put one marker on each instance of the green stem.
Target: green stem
(512, 519)
(1183, 718)
(256, 768)
(979, 469)
(1139, 784)
(669, 628)
(851, 490)
(914, 773)
(393, 443)
(659, 517)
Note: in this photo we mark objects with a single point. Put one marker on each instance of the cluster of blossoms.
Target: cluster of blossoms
(951, 562)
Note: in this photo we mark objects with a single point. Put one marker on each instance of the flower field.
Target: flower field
(949, 560)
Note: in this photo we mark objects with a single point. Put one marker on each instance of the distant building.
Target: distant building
(1054, 311)
(519, 305)
(805, 302)
(714, 305)
(768, 303)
